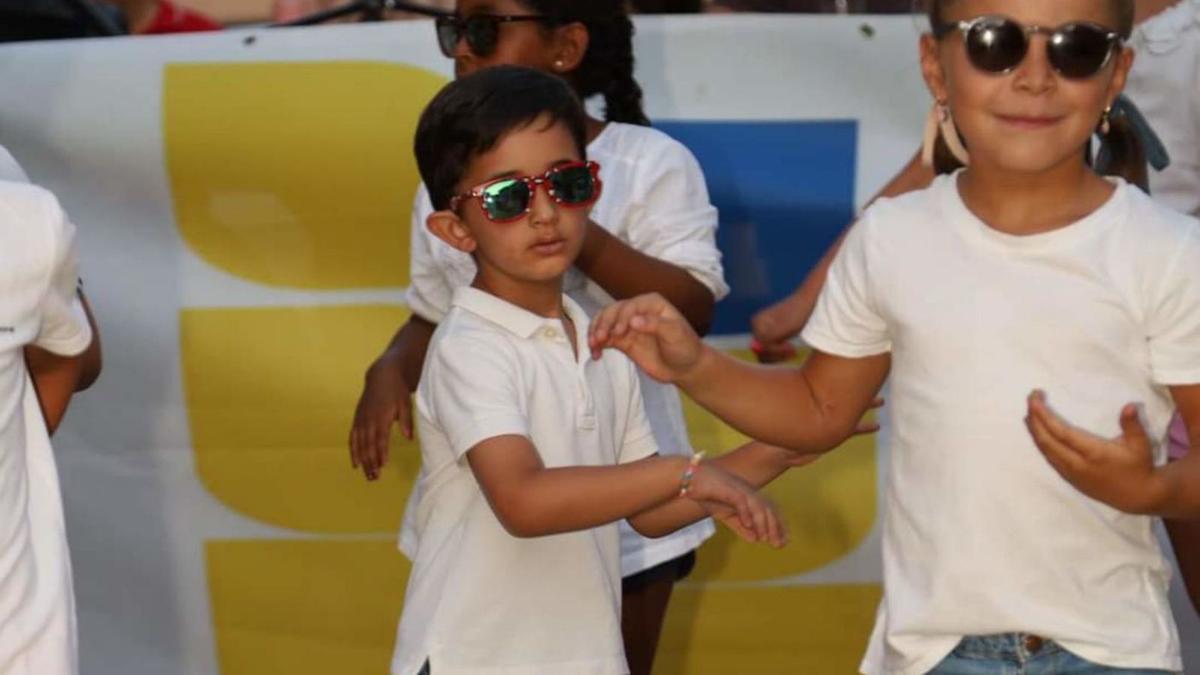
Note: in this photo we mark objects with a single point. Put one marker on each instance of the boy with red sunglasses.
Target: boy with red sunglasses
(530, 452)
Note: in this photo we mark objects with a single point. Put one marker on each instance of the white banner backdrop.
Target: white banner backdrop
(243, 206)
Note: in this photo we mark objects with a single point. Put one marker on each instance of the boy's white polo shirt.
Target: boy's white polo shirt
(479, 600)
(38, 306)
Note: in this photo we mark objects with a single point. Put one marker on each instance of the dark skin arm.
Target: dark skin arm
(624, 272)
(57, 378)
(387, 396)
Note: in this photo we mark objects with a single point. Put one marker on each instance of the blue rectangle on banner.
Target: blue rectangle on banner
(785, 190)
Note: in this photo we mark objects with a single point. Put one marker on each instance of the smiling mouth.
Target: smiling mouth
(1029, 122)
(550, 247)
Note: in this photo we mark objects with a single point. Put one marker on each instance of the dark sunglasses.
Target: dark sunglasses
(997, 44)
(481, 31)
(507, 199)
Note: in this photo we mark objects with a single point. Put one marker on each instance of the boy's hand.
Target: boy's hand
(651, 332)
(735, 503)
(1119, 472)
(385, 399)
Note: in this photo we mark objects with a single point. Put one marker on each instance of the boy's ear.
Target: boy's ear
(447, 226)
(571, 45)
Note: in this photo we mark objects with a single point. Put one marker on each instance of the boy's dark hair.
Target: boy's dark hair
(607, 67)
(470, 116)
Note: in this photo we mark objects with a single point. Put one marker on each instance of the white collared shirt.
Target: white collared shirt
(38, 306)
(654, 199)
(479, 600)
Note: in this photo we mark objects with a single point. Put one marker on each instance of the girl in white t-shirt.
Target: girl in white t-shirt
(653, 229)
(1007, 298)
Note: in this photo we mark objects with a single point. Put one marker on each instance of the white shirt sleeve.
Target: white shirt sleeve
(637, 439)
(64, 325)
(474, 393)
(429, 292)
(673, 219)
(1173, 326)
(847, 321)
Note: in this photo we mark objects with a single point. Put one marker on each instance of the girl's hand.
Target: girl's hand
(652, 333)
(735, 503)
(1119, 472)
(385, 400)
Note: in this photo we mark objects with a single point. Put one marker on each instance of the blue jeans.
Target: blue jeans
(1022, 654)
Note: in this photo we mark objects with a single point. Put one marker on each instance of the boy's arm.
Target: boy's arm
(810, 409)
(1185, 540)
(756, 463)
(1120, 471)
(55, 378)
(532, 501)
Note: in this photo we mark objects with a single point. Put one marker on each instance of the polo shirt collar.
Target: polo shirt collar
(516, 320)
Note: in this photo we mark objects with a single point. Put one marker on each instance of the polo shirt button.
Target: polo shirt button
(549, 333)
(1034, 644)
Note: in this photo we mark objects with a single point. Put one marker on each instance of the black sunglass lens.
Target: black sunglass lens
(1079, 50)
(996, 46)
(447, 35)
(573, 185)
(506, 200)
(482, 34)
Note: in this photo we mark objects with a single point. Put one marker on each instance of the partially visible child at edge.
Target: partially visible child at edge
(530, 450)
(653, 229)
(1166, 41)
(45, 333)
(1019, 306)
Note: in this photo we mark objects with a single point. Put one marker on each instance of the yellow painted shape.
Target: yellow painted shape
(781, 630)
(829, 507)
(299, 175)
(305, 607)
(270, 397)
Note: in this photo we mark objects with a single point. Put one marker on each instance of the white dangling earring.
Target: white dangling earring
(940, 122)
(559, 64)
(1106, 121)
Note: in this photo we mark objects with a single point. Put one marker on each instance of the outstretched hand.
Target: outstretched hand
(1117, 471)
(651, 332)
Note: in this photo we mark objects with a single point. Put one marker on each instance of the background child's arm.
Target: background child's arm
(809, 409)
(57, 378)
(532, 501)
(1120, 471)
(756, 463)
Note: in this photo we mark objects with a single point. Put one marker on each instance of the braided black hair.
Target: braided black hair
(607, 67)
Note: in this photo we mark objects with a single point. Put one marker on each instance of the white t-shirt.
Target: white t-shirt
(1165, 85)
(481, 601)
(980, 534)
(38, 306)
(654, 199)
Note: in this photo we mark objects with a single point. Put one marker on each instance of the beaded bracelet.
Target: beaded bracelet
(685, 481)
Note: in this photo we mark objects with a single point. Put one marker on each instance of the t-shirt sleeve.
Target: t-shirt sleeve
(637, 441)
(673, 220)
(847, 321)
(64, 326)
(429, 293)
(473, 393)
(1173, 327)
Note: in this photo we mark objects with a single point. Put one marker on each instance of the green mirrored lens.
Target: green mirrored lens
(573, 185)
(506, 199)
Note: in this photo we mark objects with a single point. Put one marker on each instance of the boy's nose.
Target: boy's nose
(543, 210)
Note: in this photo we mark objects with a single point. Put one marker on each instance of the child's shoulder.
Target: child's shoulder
(898, 215)
(29, 213)
(1151, 224)
(634, 146)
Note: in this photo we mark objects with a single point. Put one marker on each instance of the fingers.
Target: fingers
(614, 321)
(1055, 428)
(1062, 457)
(1131, 428)
(772, 352)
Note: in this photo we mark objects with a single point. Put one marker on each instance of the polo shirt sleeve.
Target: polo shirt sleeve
(637, 438)
(64, 326)
(429, 293)
(847, 321)
(674, 220)
(474, 392)
(1173, 327)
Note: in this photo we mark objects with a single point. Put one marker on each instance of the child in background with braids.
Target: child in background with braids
(653, 229)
